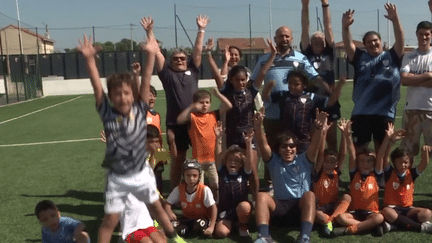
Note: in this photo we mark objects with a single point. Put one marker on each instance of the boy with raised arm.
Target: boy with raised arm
(293, 199)
(126, 129)
(179, 77)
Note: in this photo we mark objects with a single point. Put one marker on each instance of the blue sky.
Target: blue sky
(229, 18)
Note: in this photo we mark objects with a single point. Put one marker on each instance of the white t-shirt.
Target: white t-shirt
(135, 216)
(174, 197)
(418, 98)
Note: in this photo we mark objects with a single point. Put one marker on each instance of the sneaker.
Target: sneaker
(339, 231)
(327, 229)
(426, 227)
(262, 239)
(379, 230)
(178, 239)
(386, 227)
(244, 232)
(303, 239)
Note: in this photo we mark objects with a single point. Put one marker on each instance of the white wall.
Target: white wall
(58, 86)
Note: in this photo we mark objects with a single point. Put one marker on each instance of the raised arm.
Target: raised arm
(213, 67)
(89, 52)
(334, 97)
(425, 156)
(345, 127)
(264, 68)
(393, 16)
(382, 156)
(225, 103)
(227, 55)
(151, 47)
(248, 137)
(202, 22)
(136, 71)
(219, 132)
(342, 153)
(312, 150)
(147, 23)
(305, 25)
(328, 29)
(347, 20)
(260, 136)
(320, 157)
(267, 90)
(185, 115)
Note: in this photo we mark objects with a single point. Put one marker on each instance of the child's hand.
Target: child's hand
(327, 125)
(343, 79)
(345, 126)
(147, 23)
(272, 47)
(136, 68)
(219, 130)
(258, 118)
(249, 135)
(209, 45)
(398, 135)
(426, 152)
(172, 216)
(320, 119)
(228, 54)
(209, 231)
(202, 22)
(392, 14)
(102, 136)
(390, 130)
(86, 47)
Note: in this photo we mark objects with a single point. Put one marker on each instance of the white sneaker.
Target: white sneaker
(426, 227)
(244, 232)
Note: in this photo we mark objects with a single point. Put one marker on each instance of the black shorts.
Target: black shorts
(333, 112)
(286, 213)
(361, 215)
(365, 127)
(327, 208)
(402, 210)
(181, 133)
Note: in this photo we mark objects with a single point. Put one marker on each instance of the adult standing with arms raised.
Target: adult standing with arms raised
(376, 80)
(179, 78)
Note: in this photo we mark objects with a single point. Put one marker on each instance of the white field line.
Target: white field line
(18, 117)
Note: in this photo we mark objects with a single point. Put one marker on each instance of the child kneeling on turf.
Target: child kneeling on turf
(399, 187)
(196, 200)
(234, 168)
(326, 178)
(365, 171)
(58, 229)
(125, 128)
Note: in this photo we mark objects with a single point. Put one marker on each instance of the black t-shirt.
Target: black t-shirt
(322, 63)
(179, 88)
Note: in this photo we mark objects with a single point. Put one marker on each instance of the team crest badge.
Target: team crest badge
(184, 204)
(408, 187)
(295, 64)
(357, 186)
(395, 185)
(188, 72)
(370, 186)
(316, 65)
(386, 62)
(303, 100)
(198, 205)
(239, 179)
(326, 184)
(149, 120)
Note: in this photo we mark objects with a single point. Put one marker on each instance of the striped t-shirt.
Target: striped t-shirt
(126, 138)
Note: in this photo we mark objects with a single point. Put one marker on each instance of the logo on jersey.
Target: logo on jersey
(184, 204)
(149, 120)
(198, 205)
(326, 184)
(395, 185)
(386, 62)
(357, 186)
(295, 64)
(188, 72)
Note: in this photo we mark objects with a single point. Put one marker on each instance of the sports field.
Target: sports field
(50, 150)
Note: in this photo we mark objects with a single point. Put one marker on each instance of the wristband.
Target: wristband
(201, 31)
(325, 5)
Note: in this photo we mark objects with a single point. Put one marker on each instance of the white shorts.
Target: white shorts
(142, 185)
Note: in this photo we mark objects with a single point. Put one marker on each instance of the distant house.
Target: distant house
(30, 41)
(257, 45)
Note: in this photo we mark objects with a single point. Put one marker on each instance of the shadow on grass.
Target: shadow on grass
(31, 240)
(81, 195)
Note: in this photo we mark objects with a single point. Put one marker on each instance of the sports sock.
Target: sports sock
(407, 223)
(306, 228)
(263, 230)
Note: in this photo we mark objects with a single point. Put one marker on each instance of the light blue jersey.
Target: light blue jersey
(64, 233)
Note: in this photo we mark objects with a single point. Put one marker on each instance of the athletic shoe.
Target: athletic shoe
(327, 229)
(244, 232)
(178, 239)
(339, 231)
(262, 239)
(303, 239)
(379, 230)
(386, 227)
(426, 227)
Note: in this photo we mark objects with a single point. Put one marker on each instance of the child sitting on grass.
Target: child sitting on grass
(326, 178)
(126, 129)
(58, 229)
(234, 168)
(201, 132)
(196, 200)
(399, 187)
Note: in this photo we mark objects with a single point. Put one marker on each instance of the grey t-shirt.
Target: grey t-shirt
(179, 88)
(126, 138)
